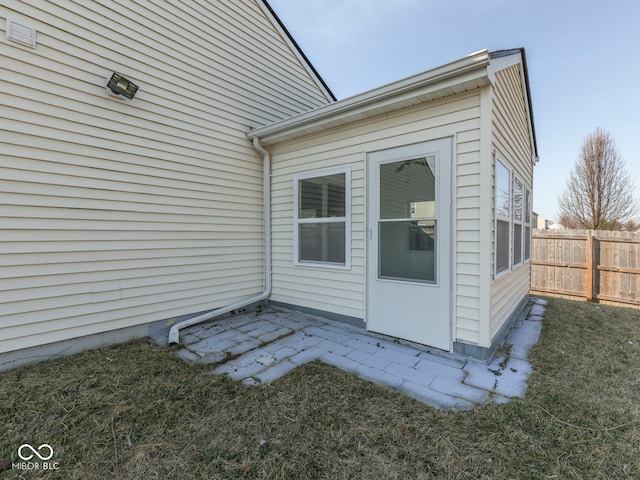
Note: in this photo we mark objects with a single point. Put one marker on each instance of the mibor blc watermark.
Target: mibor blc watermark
(35, 458)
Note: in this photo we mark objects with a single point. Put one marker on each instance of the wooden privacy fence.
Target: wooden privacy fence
(593, 265)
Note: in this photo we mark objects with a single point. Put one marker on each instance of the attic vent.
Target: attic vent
(22, 34)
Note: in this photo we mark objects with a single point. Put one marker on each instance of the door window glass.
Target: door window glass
(407, 224)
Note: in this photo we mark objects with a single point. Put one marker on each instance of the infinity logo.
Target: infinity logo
(42, 456)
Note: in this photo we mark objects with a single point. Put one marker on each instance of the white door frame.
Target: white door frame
(444, 240)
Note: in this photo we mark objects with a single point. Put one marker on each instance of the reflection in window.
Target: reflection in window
(322, 197)
(517, 199)
(518, 206)
(503, 191)
(322, 242)
(422, 236)
(503, 217)
(398, 260)
(408, 189)
(407, 227)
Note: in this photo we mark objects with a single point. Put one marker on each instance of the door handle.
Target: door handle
(370, 229)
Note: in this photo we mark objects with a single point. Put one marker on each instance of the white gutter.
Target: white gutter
(174, 333)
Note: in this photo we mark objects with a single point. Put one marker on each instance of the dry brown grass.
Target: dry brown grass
(135, 411)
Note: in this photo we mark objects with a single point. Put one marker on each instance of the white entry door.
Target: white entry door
(409, 236)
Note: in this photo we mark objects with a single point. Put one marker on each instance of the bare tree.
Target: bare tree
(599, 192)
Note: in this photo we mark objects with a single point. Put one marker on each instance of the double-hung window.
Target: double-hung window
(518, 214)
(512, 245)
(322, 218)
(502, 247)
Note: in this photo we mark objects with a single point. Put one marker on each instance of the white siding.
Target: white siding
(119, 213)
(512, 143)
(343, 292)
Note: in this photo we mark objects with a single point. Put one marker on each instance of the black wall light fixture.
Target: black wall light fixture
(119, 86)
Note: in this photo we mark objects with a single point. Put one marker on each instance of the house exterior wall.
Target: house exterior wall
(117, 213)
(342, 291)
(512, 144)
(467, 238)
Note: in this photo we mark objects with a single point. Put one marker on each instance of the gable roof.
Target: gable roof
(525, 73)
(467, 73)
(273, 16)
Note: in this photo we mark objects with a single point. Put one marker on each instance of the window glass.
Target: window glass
(407, 227)
(503, 191)
(322, 197)
(527, 220)
(322, 242)
(502, 246)
(422, 235)
(517, 243)
(517, 200)
(415, 261)
(408, 189)
(321, 221)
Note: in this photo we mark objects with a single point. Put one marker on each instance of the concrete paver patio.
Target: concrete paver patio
(262, 346)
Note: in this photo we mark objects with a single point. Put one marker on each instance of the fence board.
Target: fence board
(592, 265)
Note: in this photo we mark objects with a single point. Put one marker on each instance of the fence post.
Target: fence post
(588, 278)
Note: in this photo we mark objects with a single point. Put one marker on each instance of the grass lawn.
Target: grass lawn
(136, 412)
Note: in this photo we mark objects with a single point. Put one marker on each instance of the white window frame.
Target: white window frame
(516, 179)
(524, 222)
(528, 202)
(501, 218)
(346, 170)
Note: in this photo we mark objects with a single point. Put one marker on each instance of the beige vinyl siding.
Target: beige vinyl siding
(117, 213)
(467, 236)
(343, 291)
(506, 293)
(513, 146)
(327, 289)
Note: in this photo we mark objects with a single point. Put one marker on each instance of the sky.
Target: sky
(583, 58)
